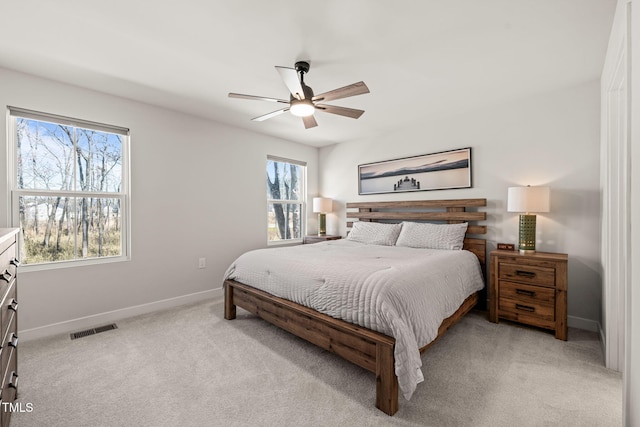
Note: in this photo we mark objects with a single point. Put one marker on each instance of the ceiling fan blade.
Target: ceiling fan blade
(257, 98)
(269, 115)
(290, 78)
(341, 111)
(309, 122)
(343, 92)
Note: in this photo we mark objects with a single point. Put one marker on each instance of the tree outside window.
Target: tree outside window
(68, 196)
(285, 199)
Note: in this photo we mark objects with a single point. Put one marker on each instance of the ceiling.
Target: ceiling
(421, 59)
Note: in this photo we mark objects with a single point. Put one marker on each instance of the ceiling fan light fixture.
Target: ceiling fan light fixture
(302, 107)
(302, 101)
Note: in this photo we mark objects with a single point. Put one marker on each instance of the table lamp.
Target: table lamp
(322, 205)
(527, 200)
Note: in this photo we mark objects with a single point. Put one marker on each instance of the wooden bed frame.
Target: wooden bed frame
(366, 348)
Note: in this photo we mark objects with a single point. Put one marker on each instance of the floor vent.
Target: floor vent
(93, 331)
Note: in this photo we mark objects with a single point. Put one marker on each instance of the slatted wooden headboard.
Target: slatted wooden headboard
(442, 211)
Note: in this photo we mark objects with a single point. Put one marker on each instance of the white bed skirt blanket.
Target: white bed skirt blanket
(402, 292)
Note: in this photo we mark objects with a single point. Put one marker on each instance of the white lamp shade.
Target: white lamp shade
(528, 199)
(322, 205)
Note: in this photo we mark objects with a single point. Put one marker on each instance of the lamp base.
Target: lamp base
(322, 224)
(527, 234)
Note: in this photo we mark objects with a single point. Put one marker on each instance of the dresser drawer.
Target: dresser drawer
(522, 273)
(9, 342)
(7, 243)
(8, 308)
(9, 386)
(7, 267)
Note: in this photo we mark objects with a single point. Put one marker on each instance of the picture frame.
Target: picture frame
(434, 171)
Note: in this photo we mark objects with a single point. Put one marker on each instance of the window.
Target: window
(285, 199)
(69, 188)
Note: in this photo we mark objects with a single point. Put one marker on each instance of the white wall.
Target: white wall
(551, 139)
(198, 190)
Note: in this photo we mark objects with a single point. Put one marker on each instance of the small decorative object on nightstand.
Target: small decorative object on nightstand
(321, 206)
(316, 239)
(530, 289)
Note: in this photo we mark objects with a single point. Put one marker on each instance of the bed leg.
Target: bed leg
(386, 380)
(229, 306)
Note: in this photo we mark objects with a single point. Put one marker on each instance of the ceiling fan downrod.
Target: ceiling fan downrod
(302, 67)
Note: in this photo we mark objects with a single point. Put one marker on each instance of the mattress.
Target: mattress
(401, 292)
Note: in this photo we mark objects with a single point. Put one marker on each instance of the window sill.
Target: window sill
(26, 268)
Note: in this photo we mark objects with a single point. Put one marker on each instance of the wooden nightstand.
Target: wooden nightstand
(315, 238)
(530, 289)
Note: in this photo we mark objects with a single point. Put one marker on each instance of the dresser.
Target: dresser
(8, 321)
(529, 289)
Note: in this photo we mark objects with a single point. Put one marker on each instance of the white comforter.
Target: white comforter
(402, 292)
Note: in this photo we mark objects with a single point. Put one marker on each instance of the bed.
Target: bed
(356, 308)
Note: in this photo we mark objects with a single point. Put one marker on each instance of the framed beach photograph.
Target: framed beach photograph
(435, 171)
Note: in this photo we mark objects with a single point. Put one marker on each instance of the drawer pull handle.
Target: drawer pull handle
(13, 384)
(527, 274)
(525, 292)
(15, 262)
(6, 276)
(13, 341)
(13, 305)
(525, 308)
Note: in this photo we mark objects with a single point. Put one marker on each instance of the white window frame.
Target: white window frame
(123, 195)
(301, 202)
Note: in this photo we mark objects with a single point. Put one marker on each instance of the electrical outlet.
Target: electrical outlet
(202, 263)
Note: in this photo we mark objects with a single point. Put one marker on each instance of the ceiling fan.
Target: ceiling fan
(302, 102)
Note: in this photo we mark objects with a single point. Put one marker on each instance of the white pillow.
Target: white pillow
(374, 233)
(432, 236)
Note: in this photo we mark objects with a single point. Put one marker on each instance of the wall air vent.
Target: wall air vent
(93, 331)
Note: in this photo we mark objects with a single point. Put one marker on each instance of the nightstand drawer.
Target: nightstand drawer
(522, 273)
(535, 315)
(531, 304)
(527, 294)
(522, 299)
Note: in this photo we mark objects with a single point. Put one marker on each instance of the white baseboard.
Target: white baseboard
(586, 324)
(115, 315)
(603, 339)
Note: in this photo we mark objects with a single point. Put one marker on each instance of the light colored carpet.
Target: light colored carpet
(189, 367)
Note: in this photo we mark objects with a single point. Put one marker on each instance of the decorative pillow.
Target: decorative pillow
(374, 233)
(432, 236)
